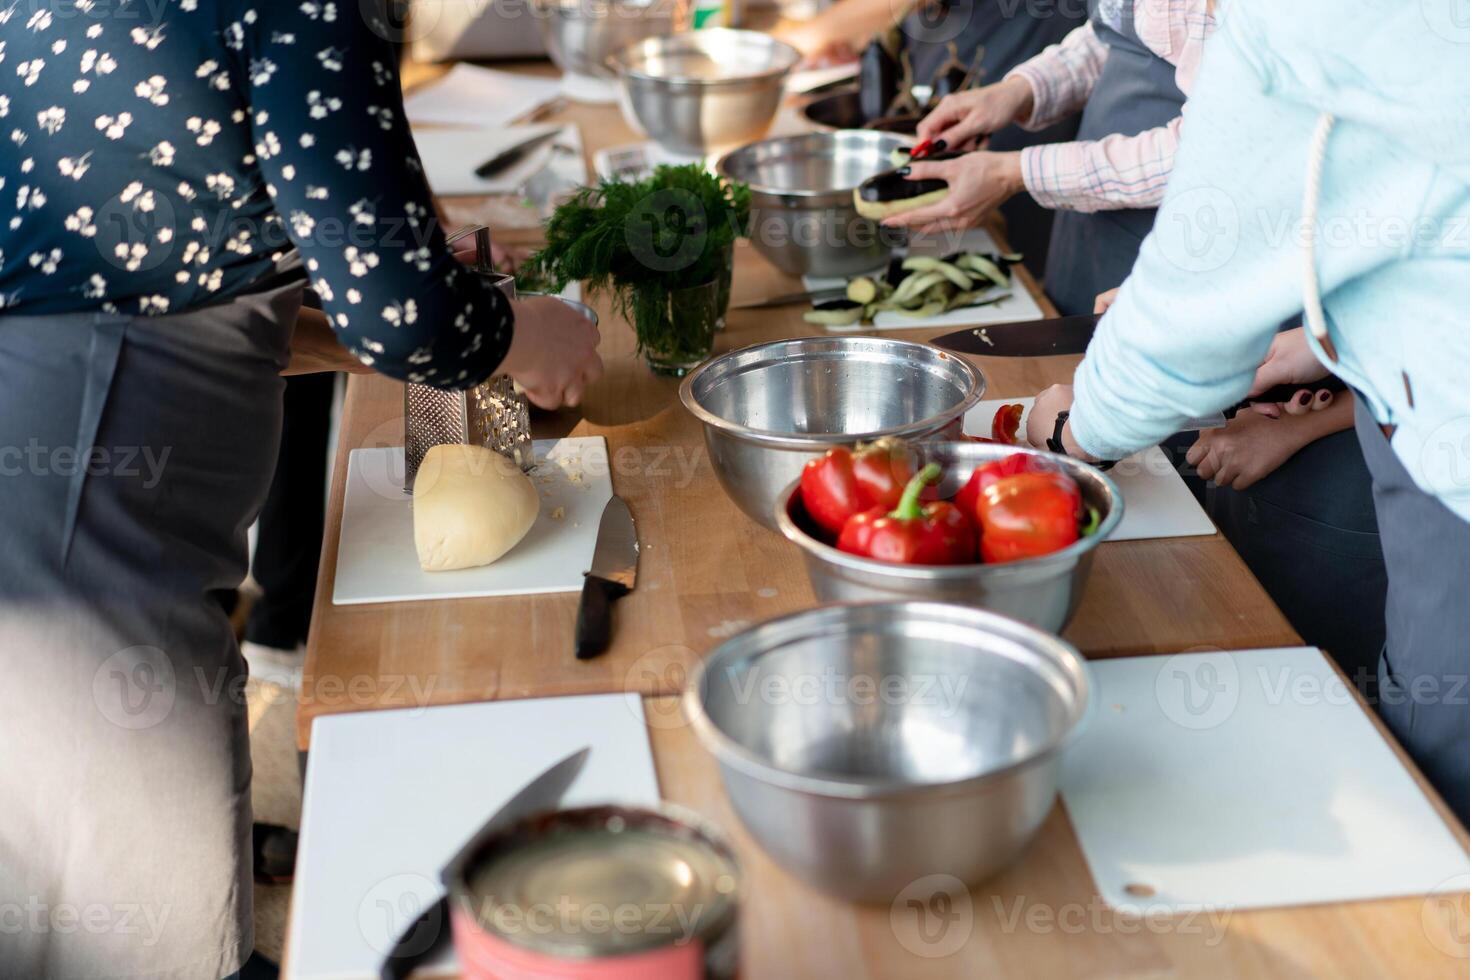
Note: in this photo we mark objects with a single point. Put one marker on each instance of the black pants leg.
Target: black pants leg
(289, 547)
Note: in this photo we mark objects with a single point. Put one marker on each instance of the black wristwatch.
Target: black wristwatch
(1054, 441)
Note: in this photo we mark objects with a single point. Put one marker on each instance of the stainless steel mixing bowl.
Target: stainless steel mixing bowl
(865, 746)
(802, 217)
(581, 35)
(769, 408)
(1042, 591)
(700, 90)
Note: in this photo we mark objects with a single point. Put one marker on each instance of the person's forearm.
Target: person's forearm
(1061, 77)
(851, 22)
(1109, 174)
(314, 348)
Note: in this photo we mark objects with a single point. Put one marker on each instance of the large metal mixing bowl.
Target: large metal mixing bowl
(769, 408)
(581, 35)
(866, 746)
(802, 216)
(1042, 591)
(697, 91)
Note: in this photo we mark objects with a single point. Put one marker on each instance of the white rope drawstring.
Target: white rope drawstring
(1311, 288)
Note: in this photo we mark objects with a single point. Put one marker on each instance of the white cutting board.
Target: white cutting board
(1247, 779)
(1013, 309)
(470, 95)
(1156, 502)
(450, 156)
(377, 562)
(390, 797)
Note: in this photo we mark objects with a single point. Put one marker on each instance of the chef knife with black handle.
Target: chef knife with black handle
(613, 574)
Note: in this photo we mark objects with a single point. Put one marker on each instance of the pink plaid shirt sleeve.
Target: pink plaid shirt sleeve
(1062, 76)
(1117, 171)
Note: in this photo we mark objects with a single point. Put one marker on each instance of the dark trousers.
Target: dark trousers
(289, 544)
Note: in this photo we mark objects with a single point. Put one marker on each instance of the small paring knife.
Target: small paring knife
(613, 574)
(512, 155)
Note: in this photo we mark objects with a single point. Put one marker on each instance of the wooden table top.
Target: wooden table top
(706, 570)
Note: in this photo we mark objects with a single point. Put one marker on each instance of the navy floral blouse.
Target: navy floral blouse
(160, 155)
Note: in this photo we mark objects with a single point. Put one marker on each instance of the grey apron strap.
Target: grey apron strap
(1094, 252)
(108, 334)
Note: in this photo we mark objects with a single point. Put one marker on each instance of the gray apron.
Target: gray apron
(1424, 697)
(1010, 33)
(1095, 251)
(134, 454)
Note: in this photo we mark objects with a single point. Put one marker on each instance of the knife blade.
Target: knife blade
(786, 299)
(513, 154)
(613, 574)
(427, 934)
(1026, 338)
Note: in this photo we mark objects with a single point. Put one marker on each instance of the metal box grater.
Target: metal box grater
(491, 414)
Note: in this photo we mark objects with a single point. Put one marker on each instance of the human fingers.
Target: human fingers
(1300, 403)
(1321, 401)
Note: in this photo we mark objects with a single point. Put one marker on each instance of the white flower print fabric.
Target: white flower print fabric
(157, 157)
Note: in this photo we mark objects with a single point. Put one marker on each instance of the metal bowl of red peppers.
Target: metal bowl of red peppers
(984, 524)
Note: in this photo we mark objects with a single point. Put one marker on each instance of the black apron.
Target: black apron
(1010, 32)
(1093, 252)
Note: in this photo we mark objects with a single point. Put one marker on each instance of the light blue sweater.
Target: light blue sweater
(1225, 261)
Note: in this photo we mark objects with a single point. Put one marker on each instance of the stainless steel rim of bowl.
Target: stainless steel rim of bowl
(728, 751)
(580, 307)
(833, 556)
(626, 62)
(727, 165)
(834, 347)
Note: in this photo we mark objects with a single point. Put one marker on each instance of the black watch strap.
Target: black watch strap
(1054, 442)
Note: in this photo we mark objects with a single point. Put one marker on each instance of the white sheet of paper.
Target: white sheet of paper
(1018, 306)
(1245, 779)
(809, 78)
(391, 796)
(377, 561)
(1156, 503)
(451, 155)
(469, 95)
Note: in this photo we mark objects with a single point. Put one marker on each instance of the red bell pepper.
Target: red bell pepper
(969, 496)
(845, 482)
(936, 533)
(1007, 424)
(1027, 514)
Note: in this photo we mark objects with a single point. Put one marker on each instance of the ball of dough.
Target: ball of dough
(470, 506)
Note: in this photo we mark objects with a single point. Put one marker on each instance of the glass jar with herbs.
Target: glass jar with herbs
(662, 247)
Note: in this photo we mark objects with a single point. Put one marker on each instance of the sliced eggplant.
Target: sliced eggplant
(891, 193)
(862, 290)
(835, 313)
(878, 75)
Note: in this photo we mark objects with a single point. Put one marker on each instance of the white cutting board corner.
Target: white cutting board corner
(1156, 501)
(390, 796)
(1245, 779)
(377, 561)
(1017, 307)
